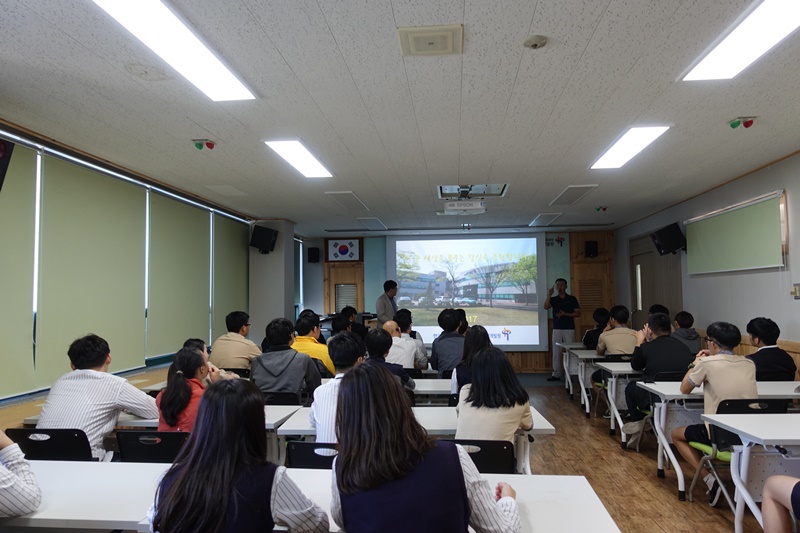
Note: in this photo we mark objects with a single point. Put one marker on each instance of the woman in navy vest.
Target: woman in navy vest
(221, 480)
(390, 476)
(476, 339)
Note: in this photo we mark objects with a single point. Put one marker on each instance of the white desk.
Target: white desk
(617, 370)
(122, 492)
(584, 357)
(669, 414)
(750, 467)
(547, 504)
(431, 387)
(89, 495)
(438, 421)
(570, 369)
(125, 420)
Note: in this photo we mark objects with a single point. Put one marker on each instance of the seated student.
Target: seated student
(356, 327)
(390, 475)
(234, 349)
(772, 363)
(405, 321)
(448, 348)
(310, 312)
(178, 403)
(657, 308)
(656, 351)
(463, 325)
(282, 368)
(684, 331)
(780, 498)
(495, 404)
(91, 399)
(199, 345)
(724, 376)
(592, 336)
(617, 339)
(221, 480)
(19, 492)
(476, 339)
(379, 342)
(404, 350)
(339, 323)
(346, 350)
(306, 341)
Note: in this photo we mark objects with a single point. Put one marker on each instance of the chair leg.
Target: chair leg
(722, 486)
(696, 477)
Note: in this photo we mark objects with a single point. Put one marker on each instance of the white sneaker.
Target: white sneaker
(709, 480)
(632, 428)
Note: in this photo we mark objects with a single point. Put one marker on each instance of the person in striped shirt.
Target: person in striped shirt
(19, 492)
(89, 398)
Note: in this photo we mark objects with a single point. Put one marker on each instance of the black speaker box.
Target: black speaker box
(264, 239)
(313, 255)
(669, 239)
(590, 248)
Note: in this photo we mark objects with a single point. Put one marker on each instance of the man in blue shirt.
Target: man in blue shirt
(565, 310)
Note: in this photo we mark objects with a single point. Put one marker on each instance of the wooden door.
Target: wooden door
(349, 273)
(655, 279)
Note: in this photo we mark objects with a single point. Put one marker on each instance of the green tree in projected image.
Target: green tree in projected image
(491, 276)
(522, 275)
(407, 266)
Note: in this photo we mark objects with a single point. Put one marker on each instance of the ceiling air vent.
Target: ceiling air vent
(432, 40)
(464, 192)
(572, 194)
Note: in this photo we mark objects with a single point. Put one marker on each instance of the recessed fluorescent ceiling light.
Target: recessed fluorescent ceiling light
(763, 28)
(634, 141)
(156, 26)
(300, 158)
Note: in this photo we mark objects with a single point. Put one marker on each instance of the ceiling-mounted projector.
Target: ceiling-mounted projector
(464, 208)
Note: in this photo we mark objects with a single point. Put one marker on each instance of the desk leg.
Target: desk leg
(567, 378)
(740, 465)
(611, 395)
(585, 401)
(660, 414)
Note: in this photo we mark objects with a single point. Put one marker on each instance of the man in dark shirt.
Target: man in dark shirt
(656, 351)
(772, 363)
(379, 342)
(565, 310)
(447, 349)
(356, 327)
(601, 318)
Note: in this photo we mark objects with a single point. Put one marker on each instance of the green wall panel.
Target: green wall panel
(231, 272)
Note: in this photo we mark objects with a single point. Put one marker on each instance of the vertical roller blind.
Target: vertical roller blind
(179, 275)
(231, 271)
(17, 211)
(92, 266)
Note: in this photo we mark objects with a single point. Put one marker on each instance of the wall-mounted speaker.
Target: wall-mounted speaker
(264, 239)
(313, 255)
(590, 249)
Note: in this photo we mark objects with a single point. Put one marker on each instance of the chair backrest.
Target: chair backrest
(301, 454)
(774, 375)
(411, 397)
(150, 446)
(452, 400)
(52, 444)
(447, 374)
(414, 373)
(281, 398)
(323, 370)
(617, 358)
(725, 439)
(490, 456)
(243, 373)
(154, 393)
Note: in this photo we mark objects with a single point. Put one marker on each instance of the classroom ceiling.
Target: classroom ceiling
(393, 128)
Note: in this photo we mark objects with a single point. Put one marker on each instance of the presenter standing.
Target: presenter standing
(385, 306)
(565, 310)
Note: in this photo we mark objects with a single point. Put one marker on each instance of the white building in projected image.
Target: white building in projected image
(496, 284)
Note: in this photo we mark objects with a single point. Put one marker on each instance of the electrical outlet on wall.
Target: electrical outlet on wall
(796, 291)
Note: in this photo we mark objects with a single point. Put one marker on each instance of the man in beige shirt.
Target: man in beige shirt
(724, 376)
(234, 349)
(616, 339)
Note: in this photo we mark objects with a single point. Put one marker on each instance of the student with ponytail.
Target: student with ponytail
(178, 403)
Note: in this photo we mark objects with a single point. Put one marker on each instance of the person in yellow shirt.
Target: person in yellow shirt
(307, 329)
